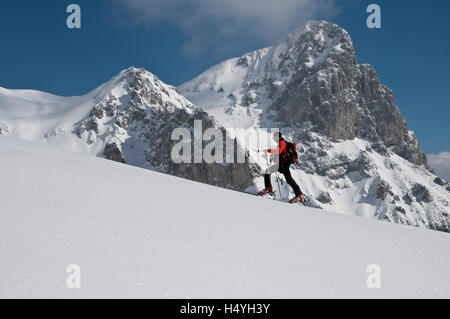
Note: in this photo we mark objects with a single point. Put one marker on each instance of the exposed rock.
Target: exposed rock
(383, 190)
(439, 181)
(325, 198)
(421, 193)
(250, 98)
(97, 111)
(407, 198)
(87, 125)
(113, 153)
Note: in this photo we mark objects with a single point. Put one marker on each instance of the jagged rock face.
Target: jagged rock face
(342, 99)
(136, 127)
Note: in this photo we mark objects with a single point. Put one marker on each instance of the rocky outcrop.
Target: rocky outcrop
(439, 181)
(421, 193)
(325, 198)
(113, 153)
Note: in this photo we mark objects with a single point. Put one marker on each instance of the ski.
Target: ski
(268, 196)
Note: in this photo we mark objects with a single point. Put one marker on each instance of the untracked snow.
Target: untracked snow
(138, 233)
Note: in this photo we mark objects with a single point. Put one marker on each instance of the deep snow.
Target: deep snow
(138, 233)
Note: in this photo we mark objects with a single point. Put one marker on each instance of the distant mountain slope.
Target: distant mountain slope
(357, 153)
(128, 119)
(132, 238)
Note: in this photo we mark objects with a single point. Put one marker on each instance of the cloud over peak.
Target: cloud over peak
(219, 23)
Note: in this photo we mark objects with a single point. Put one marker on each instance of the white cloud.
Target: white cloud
(441, 164)
(219, 23)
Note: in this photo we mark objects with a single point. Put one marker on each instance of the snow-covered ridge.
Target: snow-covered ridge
(39, 116)
(133, 240)
(34, 115)
(129, 119)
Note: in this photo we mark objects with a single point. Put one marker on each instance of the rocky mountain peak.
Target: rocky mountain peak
(320, 41)
(137, 87)
(341, 99)
(311, 76)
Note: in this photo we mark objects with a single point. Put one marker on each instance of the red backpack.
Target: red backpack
(292, 154)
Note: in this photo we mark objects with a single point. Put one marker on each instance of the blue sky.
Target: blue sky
(179, 39)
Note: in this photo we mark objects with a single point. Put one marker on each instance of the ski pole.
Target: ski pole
(279, 186)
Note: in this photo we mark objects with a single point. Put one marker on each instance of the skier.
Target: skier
(282, 165)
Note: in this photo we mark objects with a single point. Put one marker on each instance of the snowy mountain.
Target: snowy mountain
(129, 119)
(131, 239)
(357, 154)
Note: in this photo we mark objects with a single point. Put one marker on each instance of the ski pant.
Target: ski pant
(287, 174)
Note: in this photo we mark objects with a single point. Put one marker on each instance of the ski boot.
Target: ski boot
(298, 199)
(266, 191)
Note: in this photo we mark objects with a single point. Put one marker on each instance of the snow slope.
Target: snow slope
(138, 233)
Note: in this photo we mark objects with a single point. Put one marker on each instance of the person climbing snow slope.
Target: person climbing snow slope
(283, 162)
